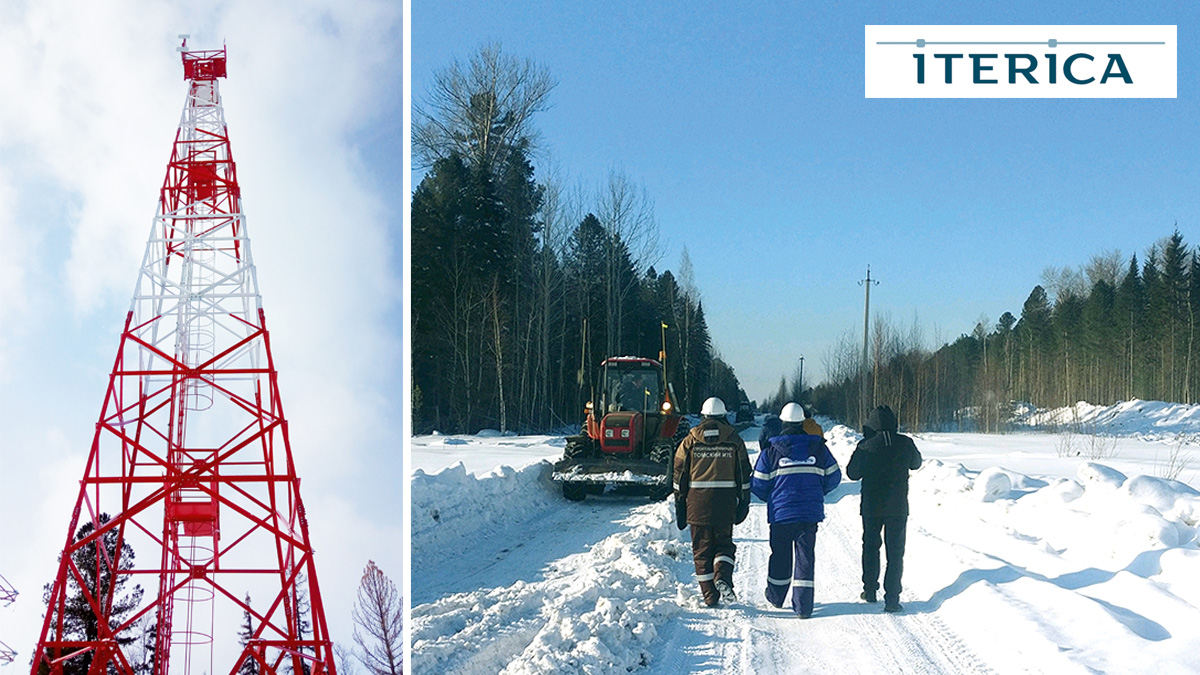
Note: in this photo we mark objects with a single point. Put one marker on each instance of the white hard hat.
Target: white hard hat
(713, 407)
(792, 412)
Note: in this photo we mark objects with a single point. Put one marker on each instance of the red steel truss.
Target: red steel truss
(190, 466)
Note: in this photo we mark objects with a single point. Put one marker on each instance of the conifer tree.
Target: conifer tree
(1035, 337)
(245, 634)
(1175, 300)
(105, 570)
(1129, 315)
(1100, 338)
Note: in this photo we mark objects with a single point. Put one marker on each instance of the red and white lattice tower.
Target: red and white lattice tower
(190, 464)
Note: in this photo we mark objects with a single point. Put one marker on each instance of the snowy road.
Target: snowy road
(497, 603)
(1074, 567)
(753, 637)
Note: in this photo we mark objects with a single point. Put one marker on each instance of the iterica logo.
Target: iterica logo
(1020, 62)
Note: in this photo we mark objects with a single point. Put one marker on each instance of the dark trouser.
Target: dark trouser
(893, 541)
(713, 552)
(787, 538)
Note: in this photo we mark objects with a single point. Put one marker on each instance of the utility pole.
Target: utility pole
(862, 394)
(801, 385)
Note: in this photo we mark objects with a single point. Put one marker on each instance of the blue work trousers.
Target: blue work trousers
(793, 558)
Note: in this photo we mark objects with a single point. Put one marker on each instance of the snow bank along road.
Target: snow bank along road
(1005, 573)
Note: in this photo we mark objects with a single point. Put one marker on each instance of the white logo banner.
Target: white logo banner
(1020, 61)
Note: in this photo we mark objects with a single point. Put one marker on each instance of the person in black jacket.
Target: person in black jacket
(882, 461)
(772, 426)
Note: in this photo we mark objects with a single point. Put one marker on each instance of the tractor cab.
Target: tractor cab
(630, 432)
(632, 405)
(632, 387)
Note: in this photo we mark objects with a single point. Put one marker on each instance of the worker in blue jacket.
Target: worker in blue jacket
(793, 474)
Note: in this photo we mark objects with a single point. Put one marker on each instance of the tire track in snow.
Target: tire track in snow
(918, 642)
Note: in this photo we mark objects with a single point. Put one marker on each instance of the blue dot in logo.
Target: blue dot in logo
(1052, 42)
(920, 43)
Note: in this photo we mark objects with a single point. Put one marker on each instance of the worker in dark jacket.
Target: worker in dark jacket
(882, 461)
(770, 429)
(793, 474)
(712, 494)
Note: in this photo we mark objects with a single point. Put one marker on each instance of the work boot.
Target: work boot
(726, 590)
(868, 596)
(767, 595)
(892, 606)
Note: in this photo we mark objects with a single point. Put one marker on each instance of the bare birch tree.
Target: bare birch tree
(1061, 282)
(482, 109)
(627, 214)
(560, 208)
(1108, 267)
(379, 613)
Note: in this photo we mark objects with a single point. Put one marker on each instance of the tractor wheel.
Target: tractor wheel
(575, 492)
(681, 432)
(661, 452)
(578, 447)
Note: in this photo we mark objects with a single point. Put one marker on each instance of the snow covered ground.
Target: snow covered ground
(1029, 552)
(1153, 420)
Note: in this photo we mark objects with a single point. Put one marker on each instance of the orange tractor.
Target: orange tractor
(629, 435)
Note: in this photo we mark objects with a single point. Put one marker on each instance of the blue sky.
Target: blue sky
(90, 99)
(749, 129)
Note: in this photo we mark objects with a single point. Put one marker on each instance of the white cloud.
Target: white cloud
(14, 249)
